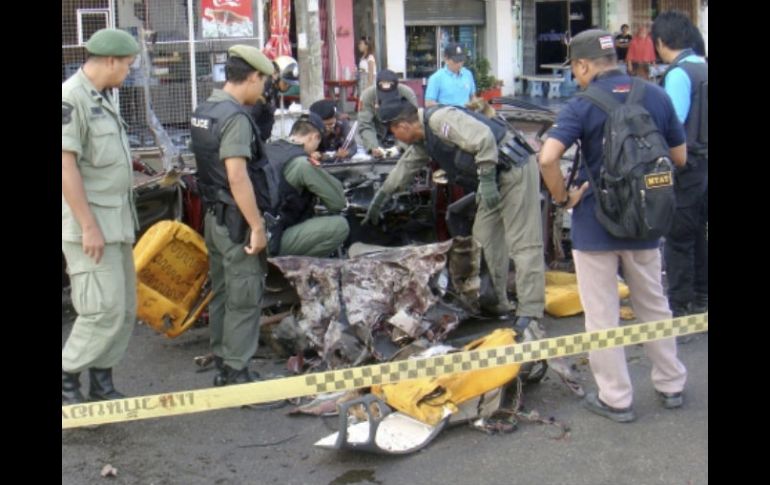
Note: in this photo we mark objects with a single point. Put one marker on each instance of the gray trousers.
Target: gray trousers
(237, 283)
(104, 297)
(513, 231)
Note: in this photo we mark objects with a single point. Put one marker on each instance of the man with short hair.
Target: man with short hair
(98, 217)
(373, 131)
(504, 175)
(453, 84)
(686, 247)
(598, 255)
(299, 231)
(332, 147)
(227, 150)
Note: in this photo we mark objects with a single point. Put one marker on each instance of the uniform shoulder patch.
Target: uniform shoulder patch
(66, 112)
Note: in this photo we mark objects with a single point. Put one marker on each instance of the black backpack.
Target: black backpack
(635, 190)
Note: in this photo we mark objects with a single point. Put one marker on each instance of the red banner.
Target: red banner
(280, 16)
(227, 18)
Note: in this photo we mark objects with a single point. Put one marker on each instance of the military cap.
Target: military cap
(394, 108)
(112, 42)
(325, 108)
(314, 120)
(253, 57)
(591, 44)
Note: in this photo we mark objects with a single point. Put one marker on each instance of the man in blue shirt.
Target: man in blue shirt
(452, 84)
(596, 253)
(685, 81)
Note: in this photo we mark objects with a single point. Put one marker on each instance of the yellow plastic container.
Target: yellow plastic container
(561, 294)
(171, 277)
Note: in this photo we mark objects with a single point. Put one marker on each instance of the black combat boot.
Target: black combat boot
(701, 303)
(231, 376)
(220, 378)
(101, 387)
(70, 389)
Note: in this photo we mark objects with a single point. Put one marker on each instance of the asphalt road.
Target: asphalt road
(267, 446)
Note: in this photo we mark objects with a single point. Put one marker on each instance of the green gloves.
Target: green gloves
(373, 213)
(488, 186)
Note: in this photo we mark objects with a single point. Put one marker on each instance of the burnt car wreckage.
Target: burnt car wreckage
(393, 290)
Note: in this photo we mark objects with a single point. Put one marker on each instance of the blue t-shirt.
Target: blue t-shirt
(582, 120)
(446, 87)
(679, 87)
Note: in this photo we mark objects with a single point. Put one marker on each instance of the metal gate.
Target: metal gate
(184, 51)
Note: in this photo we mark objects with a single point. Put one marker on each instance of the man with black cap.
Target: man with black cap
(372, 130)
(227, 152)
(597, 254)
(453, 84)
(98, 217)
(483, 155)
(337, 131)
(297, 231)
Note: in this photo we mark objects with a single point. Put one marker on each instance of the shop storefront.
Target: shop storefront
(431, 25)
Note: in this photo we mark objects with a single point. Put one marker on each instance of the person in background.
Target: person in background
(686, 247)
(374, 133)
(285, 76)
(98, 217)
(331, 148)
(621, 43)
(453, 84)
(641, 54)
(367, 65)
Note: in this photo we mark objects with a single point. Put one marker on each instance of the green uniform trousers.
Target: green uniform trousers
(514, 230)
(317, 237)
(237, 283)
(104, 296)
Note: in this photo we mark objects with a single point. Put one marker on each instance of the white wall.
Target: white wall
(618, 13)
(396, 36)
(501, 45)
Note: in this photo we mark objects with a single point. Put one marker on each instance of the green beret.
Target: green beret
(112, 42)
(253, 57)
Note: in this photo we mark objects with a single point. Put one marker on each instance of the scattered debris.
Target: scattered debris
(109, 471)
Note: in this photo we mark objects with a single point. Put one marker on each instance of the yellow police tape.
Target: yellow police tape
(186, 402)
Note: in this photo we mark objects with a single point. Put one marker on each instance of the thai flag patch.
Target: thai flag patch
(605, 42)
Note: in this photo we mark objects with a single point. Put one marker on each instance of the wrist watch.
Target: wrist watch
(563, 204)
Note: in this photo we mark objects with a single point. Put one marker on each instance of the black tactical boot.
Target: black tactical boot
(70, 389)
(231, 376)
(219, 378)
(701, 304)
(101, 387)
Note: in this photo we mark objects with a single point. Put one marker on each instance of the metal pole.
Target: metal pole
(191, 44)
(111, 24)
(261, 23)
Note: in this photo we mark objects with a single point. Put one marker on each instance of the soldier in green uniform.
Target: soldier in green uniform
(298, 231)
(483, 155)
(371, 129)
(98, 217)
(228, 151)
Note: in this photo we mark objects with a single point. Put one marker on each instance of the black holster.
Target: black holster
(228, 215)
